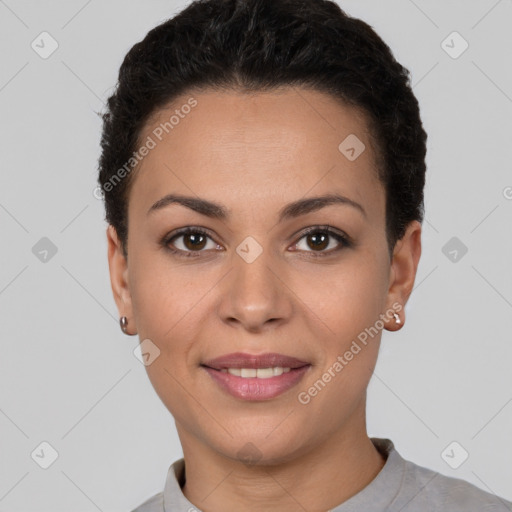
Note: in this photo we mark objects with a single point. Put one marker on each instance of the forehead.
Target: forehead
(257, 148)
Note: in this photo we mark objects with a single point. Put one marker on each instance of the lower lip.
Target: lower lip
(253, 388)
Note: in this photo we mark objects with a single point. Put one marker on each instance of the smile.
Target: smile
(260, 373)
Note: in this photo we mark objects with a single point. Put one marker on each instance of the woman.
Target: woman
(263, 168)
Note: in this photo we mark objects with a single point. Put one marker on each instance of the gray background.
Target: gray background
(68, 376)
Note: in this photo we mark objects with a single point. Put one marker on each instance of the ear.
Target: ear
(404, 263)
(118, 268)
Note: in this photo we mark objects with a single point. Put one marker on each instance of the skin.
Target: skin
(255, 153)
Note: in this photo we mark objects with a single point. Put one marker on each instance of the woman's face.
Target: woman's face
(255, 283)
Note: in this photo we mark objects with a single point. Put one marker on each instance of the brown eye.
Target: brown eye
(318, 239)
(194, 241)
(189, 241)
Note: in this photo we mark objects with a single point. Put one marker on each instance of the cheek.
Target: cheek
(162, 295)
(347, 298)
(166, 306)
(350, 306)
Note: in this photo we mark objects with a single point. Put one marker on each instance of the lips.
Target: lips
(243, 360)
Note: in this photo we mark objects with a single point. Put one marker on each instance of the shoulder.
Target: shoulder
(425, 489)
(153, 504)
(171, 498)
(405, 486)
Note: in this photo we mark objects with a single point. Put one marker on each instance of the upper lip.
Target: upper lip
(243, 360)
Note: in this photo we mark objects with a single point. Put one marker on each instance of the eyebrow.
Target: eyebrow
(290, 211)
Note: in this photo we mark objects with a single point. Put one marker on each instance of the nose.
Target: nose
(255, 296)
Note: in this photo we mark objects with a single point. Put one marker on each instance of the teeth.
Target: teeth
(260, 373)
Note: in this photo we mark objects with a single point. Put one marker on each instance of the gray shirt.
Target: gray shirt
(401, 486)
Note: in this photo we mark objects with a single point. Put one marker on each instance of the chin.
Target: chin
(261, 449)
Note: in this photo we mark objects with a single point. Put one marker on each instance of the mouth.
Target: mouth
(242, 361)
(256, 377)
(259, 373)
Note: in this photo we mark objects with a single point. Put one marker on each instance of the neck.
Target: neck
(322, 477)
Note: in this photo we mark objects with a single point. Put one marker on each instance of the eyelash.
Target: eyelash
(344, 239)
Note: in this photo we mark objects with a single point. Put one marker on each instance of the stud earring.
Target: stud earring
(123, 322)
(397, 318)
